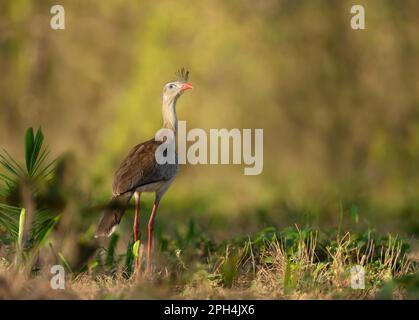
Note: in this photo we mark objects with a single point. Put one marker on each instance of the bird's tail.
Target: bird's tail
(112, 216)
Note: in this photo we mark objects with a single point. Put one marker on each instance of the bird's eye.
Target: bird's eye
(171, 86)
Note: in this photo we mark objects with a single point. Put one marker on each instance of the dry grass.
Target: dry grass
(297, 264)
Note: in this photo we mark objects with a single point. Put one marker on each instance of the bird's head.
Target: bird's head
(173, 90)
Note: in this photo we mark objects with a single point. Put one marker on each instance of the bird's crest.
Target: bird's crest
(182, 75)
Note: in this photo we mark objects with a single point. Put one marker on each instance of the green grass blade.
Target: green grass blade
(129, 258)
(65, 262)
(111, 249)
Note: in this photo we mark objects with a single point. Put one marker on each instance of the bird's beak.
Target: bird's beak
(186, 86)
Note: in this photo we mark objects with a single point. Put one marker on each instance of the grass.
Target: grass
(271, 264)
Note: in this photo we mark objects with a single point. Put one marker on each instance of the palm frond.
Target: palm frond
(38, 171)
(29, 143)
(42, 230)
(10, 165)
(37, 167)
(9, 219)
(35, 152)
(41, 159)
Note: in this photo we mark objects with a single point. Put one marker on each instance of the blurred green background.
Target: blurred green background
(339, 108)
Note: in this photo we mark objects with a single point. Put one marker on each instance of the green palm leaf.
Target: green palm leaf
(38, 171)
(29, 143)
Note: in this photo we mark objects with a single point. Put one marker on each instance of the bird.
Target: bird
(140, 171)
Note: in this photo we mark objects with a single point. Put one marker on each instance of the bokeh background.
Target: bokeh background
(339, 108)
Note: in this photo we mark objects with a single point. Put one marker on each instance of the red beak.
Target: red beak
(186, 86)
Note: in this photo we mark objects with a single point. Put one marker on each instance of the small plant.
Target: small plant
(20, 185)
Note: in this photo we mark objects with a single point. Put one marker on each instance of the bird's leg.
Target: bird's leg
(136, 223)
(150, 235)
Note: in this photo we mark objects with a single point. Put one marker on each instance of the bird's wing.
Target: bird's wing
(139, 168)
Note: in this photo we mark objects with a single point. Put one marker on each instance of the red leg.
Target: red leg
(136, 221)
(150, 236)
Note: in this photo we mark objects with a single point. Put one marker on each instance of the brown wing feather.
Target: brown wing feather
(139, 168)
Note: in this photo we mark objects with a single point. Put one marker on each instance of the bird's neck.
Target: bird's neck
(169, 114)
